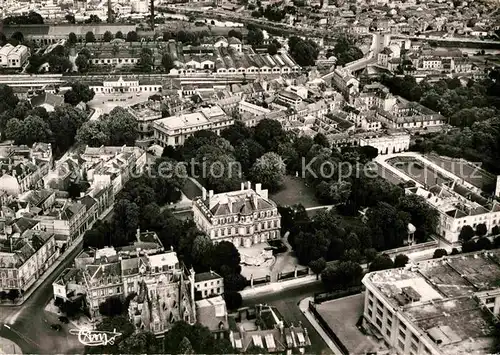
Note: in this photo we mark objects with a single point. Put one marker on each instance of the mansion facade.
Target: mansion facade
(243, 217)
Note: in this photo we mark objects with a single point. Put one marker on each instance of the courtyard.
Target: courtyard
(105, 103)
(418, 171)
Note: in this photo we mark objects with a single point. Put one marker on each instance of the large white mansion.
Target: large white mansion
(243, 217)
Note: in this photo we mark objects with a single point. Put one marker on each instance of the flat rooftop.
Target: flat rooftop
(341, 315)
(438, 296)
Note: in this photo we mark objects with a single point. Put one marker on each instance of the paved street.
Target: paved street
(287, 303)
(30, 324)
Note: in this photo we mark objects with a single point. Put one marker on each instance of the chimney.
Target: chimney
(249, 185)
(242, 186)
(210, 193)
(138, 233)
(258, 188)
(203, 193)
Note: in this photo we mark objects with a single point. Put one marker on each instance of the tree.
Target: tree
(82, 62)
(122, 127)
(345, 274)
(125, 222)
(167, 62)
(14, 130)
(311, 246)
(233, 300)
(132, 36)
(78, 93)
(93, 19)
(272, 49)
(466, 234)
(269, 134)
(89, 37)
(145, 62)
(469, 246)
(185, 347)
(13, 295)
(18, 36)
(255, 37)
(236, 34)
(93, 133)
(483, 243)
(72, 39)
(439, 253)
(225, 253)
(305, 52)
(269, 169)
(107, 36)
(400, 260)
(202, 249)
(381, 262)
(321, 140)
(388, 226)
(35, 129)
(495, 230)
(70, 18)
(119, 35)
(140, 342)
(112, 306)
(422, 215)
(317, 266)
(481, 229)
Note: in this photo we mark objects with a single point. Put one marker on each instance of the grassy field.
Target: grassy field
(191, 190)
(295, 191)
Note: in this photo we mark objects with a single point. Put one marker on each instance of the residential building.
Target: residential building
(212, 313)
(243, 217)
(174, 130)
(251, 110)
(25, 257)
(439, 307)
(146, 114)
(262, 326)
(208, 284)
(410, 115)
(289, 99)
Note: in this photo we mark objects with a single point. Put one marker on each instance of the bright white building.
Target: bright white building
(243, 217)
(174, 130)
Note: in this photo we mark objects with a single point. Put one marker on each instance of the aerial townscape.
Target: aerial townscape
(250, 177)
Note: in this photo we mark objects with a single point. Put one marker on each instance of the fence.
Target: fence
(321, 297)
(327, 329)
(413, 248)
(292, 274)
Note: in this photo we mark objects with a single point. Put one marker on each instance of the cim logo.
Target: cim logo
(95, 337)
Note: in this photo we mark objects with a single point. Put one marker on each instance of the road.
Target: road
(30, 324)
(287, 303)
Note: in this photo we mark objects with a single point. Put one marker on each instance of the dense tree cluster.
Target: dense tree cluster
(473, 108)
(186, 37)
(117, 128)
(33, 18)
(57, 59)
(24, 124)
(78, 93)
(255, 36)
(346, 51)
(304, 52)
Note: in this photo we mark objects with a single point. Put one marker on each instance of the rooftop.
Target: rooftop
(444, 298)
